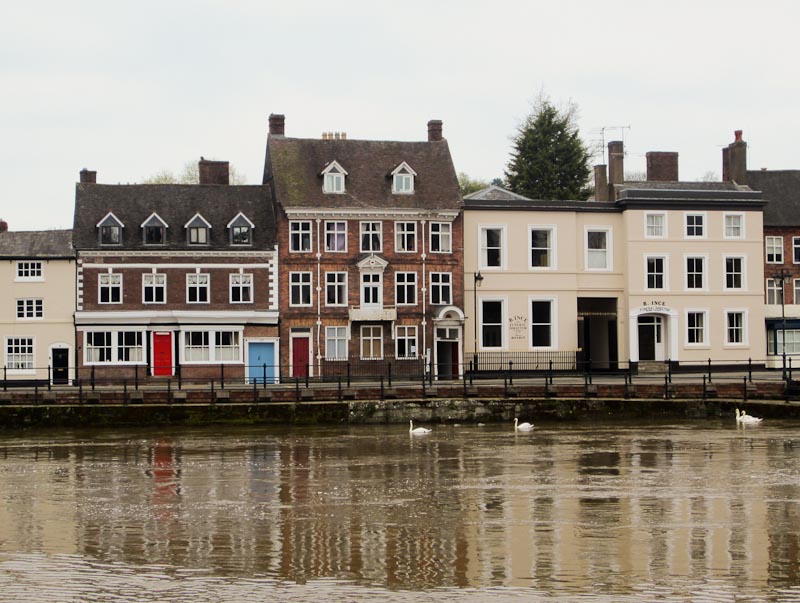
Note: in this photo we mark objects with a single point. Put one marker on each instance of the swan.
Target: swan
(522, 426)
(418, 430)
(741, 417)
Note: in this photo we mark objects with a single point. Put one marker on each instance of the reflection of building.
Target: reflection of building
(649, 272)
(37, 272)
(370, 251)
(176, 279)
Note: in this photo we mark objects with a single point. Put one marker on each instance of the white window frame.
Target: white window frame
(704, 312)
(745, 336)
(553, 301)
(409, 285)
(16, 361)
(663, 226)
(704, 274)
(115, 347)
(770, 249)
(110, 228)
(444, 283)
(483, 249)
(336, 281)
(333, 179)
(332, 230)
(29, 271)
(740, 226)
(701, 214)
(371, 329)
(31, 308)
(503, 301)
(725, 259)
(153, 277)
(198, 286)
(772, 289)
(795, 250)
(365, 228)
(215, 347)
(795, 291)
(336, 335)
(110, 287)
(403, 184)
(244, 284)
(193, 230)
(664, 275)
(551, 249)
(406, 334)
(298, 282)
(609, 251)
(299, 233)
(441, 235)
(371, 281)
(400, 234)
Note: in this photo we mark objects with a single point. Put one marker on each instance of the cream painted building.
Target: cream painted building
(669, 271)
(37, 272)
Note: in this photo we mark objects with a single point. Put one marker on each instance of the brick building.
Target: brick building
(176, 279)
(370, 243)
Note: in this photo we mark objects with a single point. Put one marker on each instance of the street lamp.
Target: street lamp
(478, 278)
(781, 277)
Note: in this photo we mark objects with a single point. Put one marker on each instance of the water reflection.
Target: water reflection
(611, 510)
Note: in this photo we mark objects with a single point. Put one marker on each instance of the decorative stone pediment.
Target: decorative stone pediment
(372, 263)
(449, 314)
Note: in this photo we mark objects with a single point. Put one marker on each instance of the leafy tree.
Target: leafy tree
(549, 160)
(469, 185)
(190, 175)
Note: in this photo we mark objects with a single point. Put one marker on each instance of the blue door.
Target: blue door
(261, 362)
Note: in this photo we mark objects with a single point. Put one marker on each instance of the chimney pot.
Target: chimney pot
(3, 225)
(277, 124)
(737, 134)
(435, 130)
(662, 167)
(88, 176)
(214, 172)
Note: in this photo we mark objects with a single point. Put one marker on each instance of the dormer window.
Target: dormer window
(110, 230)
(197, 230)
(155, 230)
(333, 179)
(241, 230)
(403, 180)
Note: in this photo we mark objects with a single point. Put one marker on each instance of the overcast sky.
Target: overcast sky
(133, 88)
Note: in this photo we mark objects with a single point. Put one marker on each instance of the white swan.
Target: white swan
(741, 417)
(522, 426)
(418, 430)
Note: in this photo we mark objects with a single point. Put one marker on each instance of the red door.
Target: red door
(162, 354)
(300, 346)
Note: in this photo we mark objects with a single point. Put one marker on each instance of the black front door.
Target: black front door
(60, 365)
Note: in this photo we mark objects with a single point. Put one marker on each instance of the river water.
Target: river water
(690, 511)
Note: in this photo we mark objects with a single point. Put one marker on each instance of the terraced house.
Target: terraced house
(37, 272)
(176, 280)
(648, 273)
(370, 240)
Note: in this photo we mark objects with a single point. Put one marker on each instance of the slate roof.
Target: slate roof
(176, 204)
(687, 195)
(497, 198)
(46, 244)
(293, 167)
(781, 189)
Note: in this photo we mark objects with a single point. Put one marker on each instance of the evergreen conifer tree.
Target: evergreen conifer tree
(549, 160)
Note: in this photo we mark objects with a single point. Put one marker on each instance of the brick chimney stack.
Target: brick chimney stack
(435, 130)
(616, 162)
(600, 183)
(662, 167)
(734, 160)
(214, 172)
(88, 176)
(276, 124)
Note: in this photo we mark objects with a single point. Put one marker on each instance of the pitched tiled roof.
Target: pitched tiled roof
(36, 244)
(781, 189)
(293, 166)
(176, 204)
